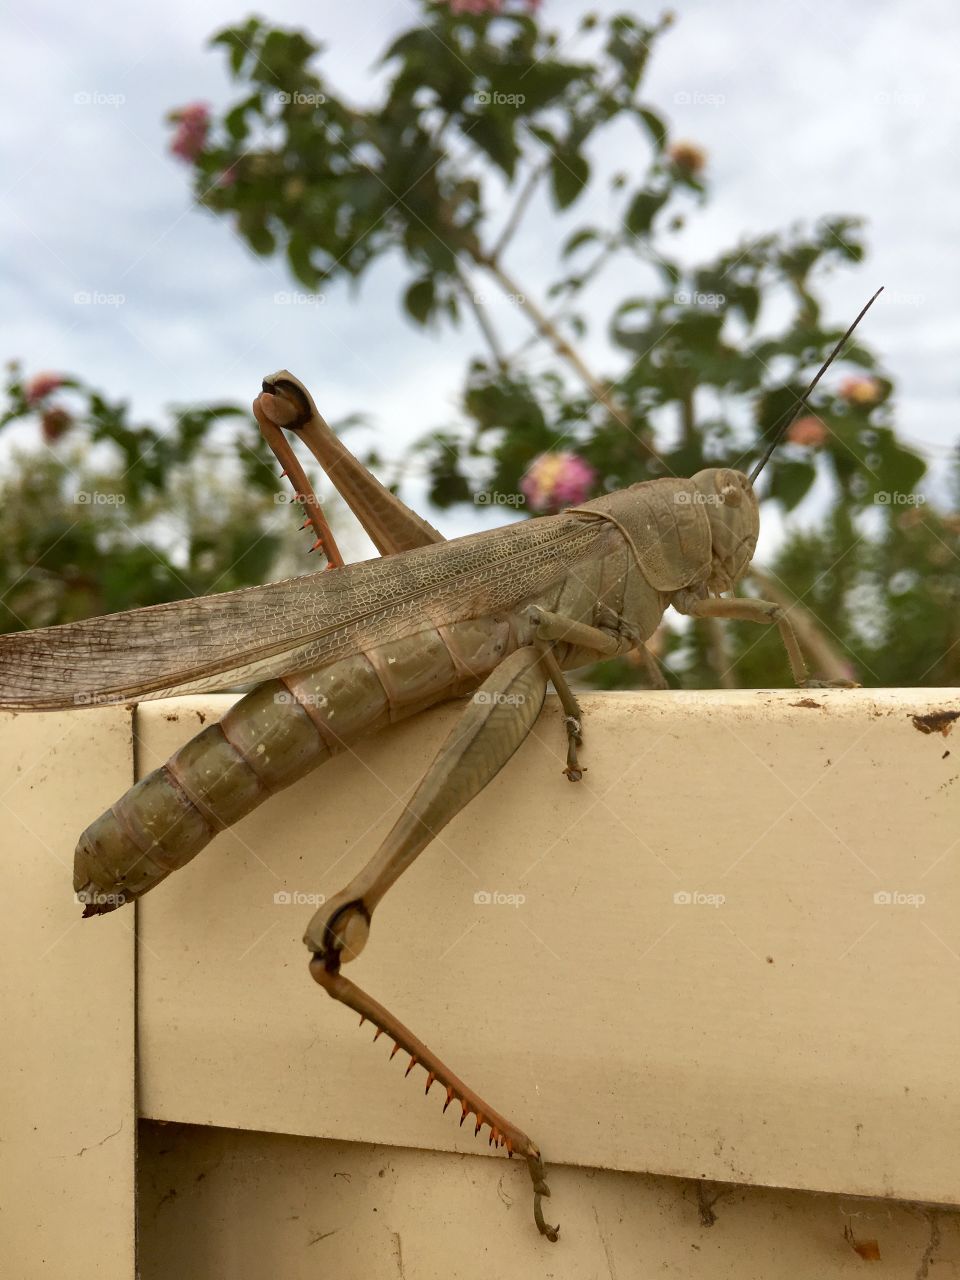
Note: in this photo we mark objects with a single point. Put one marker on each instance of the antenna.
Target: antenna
(822, 370)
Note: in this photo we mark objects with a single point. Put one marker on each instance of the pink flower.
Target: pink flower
(861, 391)
(193, 123)
(556, 480)
(810, 431)
(475, 6)
(40, 385)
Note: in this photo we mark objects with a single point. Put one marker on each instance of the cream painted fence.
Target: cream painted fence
(730, 955)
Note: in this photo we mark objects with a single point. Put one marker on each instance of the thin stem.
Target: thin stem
(688, 425)
(483, 322)
(526, 193)
(562, 347)
(562, 312)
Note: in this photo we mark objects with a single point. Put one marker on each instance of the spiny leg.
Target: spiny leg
(303, 490)
(503, 1133)
(748, 609)
(494, 724)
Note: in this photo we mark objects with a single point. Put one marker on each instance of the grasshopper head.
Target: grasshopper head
(734, 516)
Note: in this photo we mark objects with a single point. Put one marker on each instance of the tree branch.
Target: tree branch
(601, 392)
(688, 424)
(510, 226)
(563, 311)
(483, 322)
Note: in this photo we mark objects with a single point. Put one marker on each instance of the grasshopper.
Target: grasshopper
(496, 615)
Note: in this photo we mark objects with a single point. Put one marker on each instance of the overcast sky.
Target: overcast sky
(804, 109)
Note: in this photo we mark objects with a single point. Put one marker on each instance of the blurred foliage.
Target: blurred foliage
(113, 515)
(477, 118)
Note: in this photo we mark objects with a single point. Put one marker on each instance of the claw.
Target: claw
(540, 1189)
(574, 770)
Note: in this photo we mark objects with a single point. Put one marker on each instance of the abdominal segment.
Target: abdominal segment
(273, 736)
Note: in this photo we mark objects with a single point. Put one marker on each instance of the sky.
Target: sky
(804, 108)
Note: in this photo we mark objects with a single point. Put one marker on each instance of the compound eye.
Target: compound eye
(732, 495)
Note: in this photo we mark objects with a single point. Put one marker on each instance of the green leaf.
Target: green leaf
(569, 174)
(236, 119)
(655, 127)
(419, 299)
(747, 301)
(493, 133)
(260, 238)
(644, 207)
(791, 481)
(240, 43)
(299, 249)
(586, 235)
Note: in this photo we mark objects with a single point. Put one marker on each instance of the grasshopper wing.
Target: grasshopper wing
(236, 637)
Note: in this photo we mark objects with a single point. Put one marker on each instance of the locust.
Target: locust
(345, 651)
